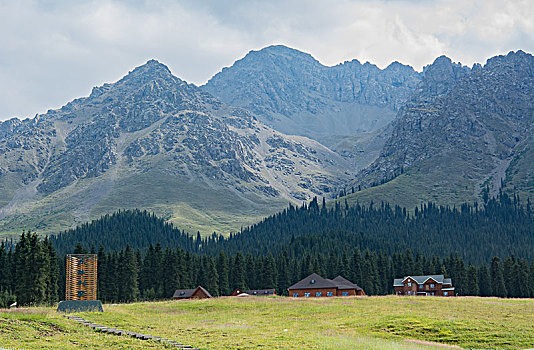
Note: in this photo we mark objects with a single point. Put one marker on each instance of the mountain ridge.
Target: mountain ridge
(154, 130)
(473, 123)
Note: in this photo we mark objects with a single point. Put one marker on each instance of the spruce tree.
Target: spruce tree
(212, 277)
(238, 272)
(508, 273)
(171, 270)
(471, 284)
(497, 278)
(484, 281)
(128, 276)
(283, 274)
(52, 292)
(222, 272)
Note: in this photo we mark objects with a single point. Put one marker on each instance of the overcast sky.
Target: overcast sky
(54, 51)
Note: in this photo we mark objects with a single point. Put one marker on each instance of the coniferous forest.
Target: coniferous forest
(486, 249)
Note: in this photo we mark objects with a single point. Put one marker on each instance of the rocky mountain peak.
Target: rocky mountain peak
(282, 51)
(150, 71)
(513, 60)
(442, 74)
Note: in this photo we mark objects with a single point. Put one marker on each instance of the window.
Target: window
(445, 293)
(409, 284)
(312, 282)
(432, 293)
(266, 292)
(318, 294)
(306, 295)
(421, 286)
(409, 292)
(182, 293)
(431, 285)
(295, 295)
(255, 293)
(345, 294)
(329, 294)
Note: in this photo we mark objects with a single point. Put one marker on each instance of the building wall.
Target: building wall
(312, 292)
(351, 292)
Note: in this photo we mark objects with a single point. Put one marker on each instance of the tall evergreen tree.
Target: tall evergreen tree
(222, 272)
(212, 277)
(238, 272)
(484, 281)
(128, 276)
(497, 278)
(471, 283)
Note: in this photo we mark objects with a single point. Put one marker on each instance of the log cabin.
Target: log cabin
(431, 285)
(196, 293)
(317, 286)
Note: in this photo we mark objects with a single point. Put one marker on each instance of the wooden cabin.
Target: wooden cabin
(431, 285)
(196, 293)
(317, 286)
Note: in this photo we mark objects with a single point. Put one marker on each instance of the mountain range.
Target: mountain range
(275, 127)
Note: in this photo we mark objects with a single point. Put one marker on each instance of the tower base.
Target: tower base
(69, 306)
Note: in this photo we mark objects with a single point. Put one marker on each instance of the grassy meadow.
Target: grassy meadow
(285, 323)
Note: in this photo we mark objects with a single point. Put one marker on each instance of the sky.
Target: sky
(54, 51)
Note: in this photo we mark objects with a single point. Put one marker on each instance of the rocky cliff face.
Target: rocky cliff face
(94, 154)
(292, 92)
(461, 128)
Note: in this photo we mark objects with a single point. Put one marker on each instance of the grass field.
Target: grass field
(286, 323)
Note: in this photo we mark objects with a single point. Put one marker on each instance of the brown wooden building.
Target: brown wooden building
(432, 285)
(197, 293)
(254, 292)
(317, 286)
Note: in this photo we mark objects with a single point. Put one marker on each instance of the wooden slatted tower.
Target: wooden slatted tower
(81, 277)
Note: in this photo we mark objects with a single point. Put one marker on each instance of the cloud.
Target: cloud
(52, 52)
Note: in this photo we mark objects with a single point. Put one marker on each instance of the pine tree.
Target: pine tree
(251, 272)
(331, 265)
(269, 273)
(171, 269)
(484, 281)
(52, 290)
(23, 265)
(508, 274)
(497, 278)
(355, 270)
(222, 272)
(212, 277)
(128, 276)
(283, 274)
(238, 272)
(522, 278)
(471, 284)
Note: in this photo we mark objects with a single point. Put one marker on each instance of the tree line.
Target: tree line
(501, 226)
(32, 274)
(141, 257)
